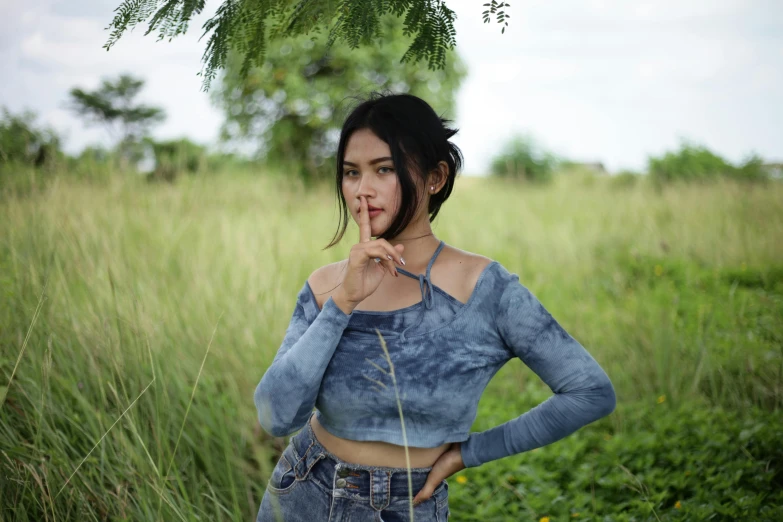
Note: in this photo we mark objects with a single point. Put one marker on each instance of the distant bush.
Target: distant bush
(29, 153)
(217, 161)
(624, 179)
(177, 157)
(521, 158)
(23, 142)
(697, 163)
(94, 163)
(751, 170)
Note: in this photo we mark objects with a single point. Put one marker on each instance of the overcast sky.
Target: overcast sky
(593, 80)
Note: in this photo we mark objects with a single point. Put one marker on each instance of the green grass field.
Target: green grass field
(137, 319)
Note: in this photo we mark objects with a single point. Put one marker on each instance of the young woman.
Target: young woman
(449, 325)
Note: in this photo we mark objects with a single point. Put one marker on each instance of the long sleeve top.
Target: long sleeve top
(444, 353)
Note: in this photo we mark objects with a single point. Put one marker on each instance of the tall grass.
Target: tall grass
(142, 317)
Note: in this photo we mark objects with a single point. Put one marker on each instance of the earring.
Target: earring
(432, 188)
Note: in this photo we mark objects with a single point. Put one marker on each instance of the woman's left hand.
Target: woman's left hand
(449, 463)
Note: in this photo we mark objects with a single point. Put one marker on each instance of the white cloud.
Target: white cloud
(616, 81)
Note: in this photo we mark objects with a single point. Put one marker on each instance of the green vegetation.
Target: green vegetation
(31, 157)
(112, 105)
(114, 296)
(290, 109)
(697, 163)
(174, 157)
(23, 142)
(248, 29)
(523, 159)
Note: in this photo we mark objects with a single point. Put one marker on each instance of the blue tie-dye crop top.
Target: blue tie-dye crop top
(444, 353)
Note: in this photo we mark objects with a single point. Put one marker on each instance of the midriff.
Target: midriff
(375, 453)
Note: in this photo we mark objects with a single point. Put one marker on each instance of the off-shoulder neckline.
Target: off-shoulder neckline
(419, 304)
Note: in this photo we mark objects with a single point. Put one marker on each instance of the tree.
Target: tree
(292, 106)
(245, 26)
(112, 105)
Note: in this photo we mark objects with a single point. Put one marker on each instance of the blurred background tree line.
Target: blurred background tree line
(284, 100)
(287, 116)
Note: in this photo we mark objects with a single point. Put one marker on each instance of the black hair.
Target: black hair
(418, 139)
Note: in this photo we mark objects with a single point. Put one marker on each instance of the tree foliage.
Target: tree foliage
(245, 27)
(291, 108)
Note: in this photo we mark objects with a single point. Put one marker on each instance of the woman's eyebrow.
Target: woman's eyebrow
(372, 162)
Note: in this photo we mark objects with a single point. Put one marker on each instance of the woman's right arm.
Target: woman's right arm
(286, 395)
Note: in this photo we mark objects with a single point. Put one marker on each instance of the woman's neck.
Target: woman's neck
(419, 249)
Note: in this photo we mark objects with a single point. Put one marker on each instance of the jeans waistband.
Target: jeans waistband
(378, 484)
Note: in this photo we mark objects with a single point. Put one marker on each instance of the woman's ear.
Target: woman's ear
(438, 176)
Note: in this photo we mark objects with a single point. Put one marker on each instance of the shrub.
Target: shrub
(624, 179)
(23, 142)
(522, 158)
(177, 157)
(95, 163)
(697, 163)
(751, 170)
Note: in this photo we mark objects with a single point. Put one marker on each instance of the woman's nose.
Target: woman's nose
(365, 187)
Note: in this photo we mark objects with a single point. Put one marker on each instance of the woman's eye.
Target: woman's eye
(351, 173)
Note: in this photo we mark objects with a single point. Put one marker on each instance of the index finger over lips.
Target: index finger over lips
(365, 232)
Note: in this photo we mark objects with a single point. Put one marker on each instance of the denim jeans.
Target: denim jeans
(309, 484)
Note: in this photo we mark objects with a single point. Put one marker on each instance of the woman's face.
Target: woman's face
(369, 171)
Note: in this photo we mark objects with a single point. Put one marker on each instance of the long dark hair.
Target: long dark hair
(418, 139)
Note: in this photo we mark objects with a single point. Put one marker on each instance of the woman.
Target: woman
(446, 337)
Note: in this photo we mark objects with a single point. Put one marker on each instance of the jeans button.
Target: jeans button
(341, 482)
(342, 473)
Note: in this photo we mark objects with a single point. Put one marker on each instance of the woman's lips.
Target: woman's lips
(375, 212)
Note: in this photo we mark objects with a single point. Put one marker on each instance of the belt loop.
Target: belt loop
(307, 461)
(380, 489)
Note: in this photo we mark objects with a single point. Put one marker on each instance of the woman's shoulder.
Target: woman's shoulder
(325, 280)
(465, 270)
(471, 264)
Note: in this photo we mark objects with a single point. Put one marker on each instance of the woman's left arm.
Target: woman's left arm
(583, 392)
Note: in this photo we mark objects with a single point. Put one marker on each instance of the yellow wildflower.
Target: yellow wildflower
(544, 519)
(574, 515)
(658, 270)
(661, 399)
(462, 479)
(677, 505)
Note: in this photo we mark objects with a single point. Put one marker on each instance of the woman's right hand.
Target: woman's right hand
(363, 274)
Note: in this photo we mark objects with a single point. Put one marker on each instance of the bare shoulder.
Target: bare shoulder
(469, 264)
(466, 268)
(325, 280)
